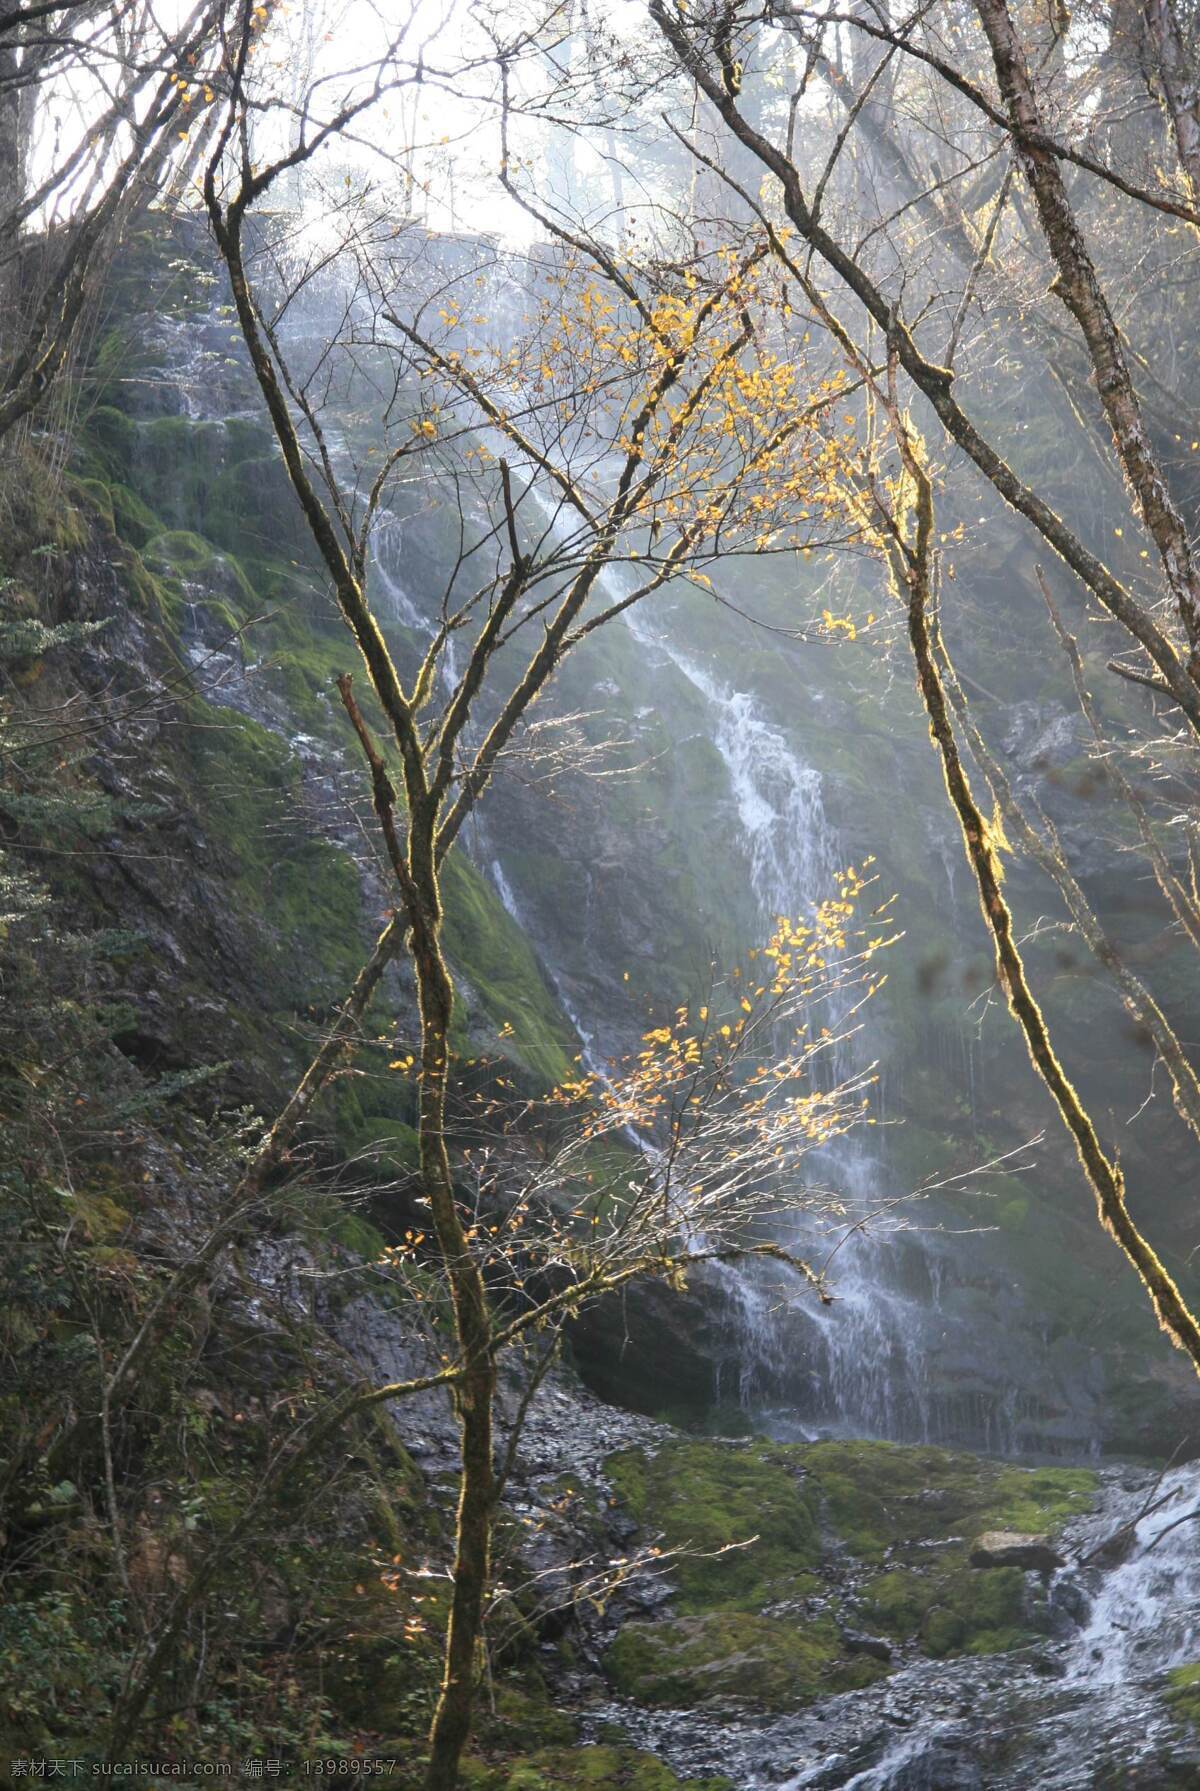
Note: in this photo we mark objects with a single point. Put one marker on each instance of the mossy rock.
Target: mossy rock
(888, 1503)
(390, 1144)
(883, 1496)
(597, 1768)
(133, 520)
(950, 1609)
(735, 1657)
(494, 954)
(113, 436)
(317, 905)
(97, 496)
(355, 1233)
(179, 554)
(704, 1497)
(306, 889)
(877, 1503)
(1183, 1693)
(522, 1717)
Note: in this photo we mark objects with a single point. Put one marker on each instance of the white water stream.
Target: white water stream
(1146, 1611)
(1083, 1710)
(865, 1367)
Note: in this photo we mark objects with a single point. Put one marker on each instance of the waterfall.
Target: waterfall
(866, 1369)
(1146, 1613)
(860, 1366)
(397, 605)
(869, 1363)
(779, 801)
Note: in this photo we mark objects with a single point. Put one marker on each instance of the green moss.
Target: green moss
(112, 437)
(307, 654)
(521, 1718)
(97, 495)
(708, 1499)
(886, 1502)
(318, 907)
(305, 889)
(883, 1503)
(485, 943)
(950, 1608)
(735, 1656)
(1183, 1693)
(133, 520)
(880, 1496)
(704, 1497)
(355, 1233)
(179, 550)
(598, 1768)
(249, 509)
(390, 1143)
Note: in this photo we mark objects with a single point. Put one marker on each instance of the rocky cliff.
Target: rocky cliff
(809, 1586)
(759, 758)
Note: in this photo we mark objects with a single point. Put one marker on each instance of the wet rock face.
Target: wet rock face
(745, 802)
(656, 1351)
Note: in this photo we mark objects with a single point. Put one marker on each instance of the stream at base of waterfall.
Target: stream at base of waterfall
(1081, 1711)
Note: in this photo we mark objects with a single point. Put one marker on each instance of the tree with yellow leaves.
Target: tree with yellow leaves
(637, 424)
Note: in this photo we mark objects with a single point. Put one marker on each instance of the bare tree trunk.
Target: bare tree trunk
(1180, 87)
(12, 190)
(1079, 288)
(416, 874)
(1046, 851)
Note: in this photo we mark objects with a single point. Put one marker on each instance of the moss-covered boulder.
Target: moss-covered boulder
(594, 1769)
(780, 1553)
(1183, 1693)
(736, 1657)
(746, 1517)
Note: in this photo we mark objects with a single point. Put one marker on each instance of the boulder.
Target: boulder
(1034, 1553)
(874, 1646)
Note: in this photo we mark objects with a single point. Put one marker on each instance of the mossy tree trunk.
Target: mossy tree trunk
(442, 779)
(433, 819)
(912, 565)
(475, 1392)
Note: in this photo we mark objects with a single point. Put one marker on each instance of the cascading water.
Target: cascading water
(1146, 1612)
(866, 1373)
(859, 1367)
